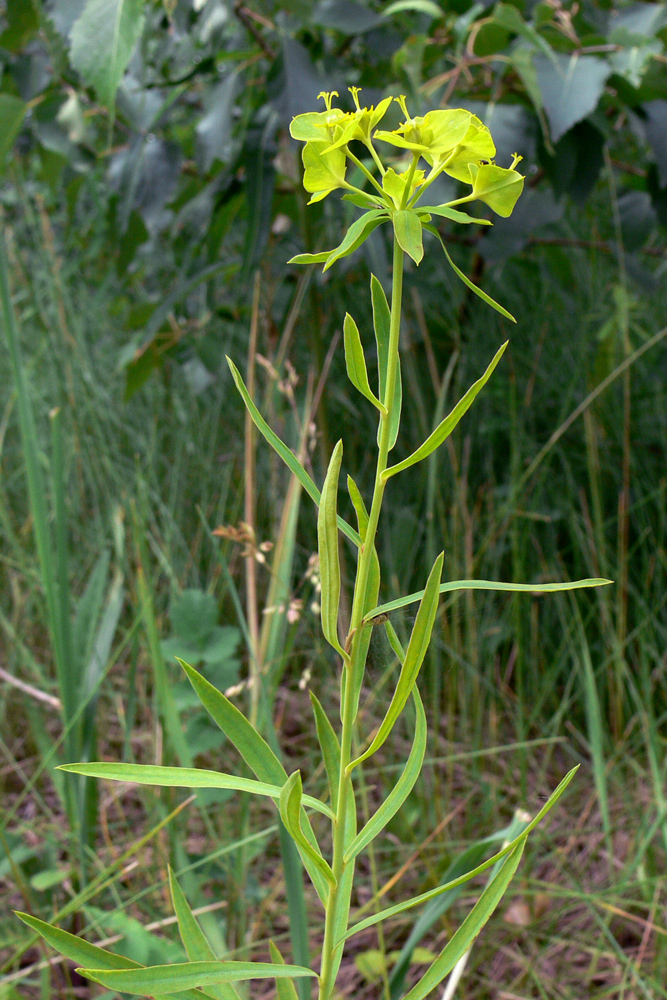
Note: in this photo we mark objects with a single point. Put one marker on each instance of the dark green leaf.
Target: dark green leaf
(12, 113)
(102, 41)
(571, 87)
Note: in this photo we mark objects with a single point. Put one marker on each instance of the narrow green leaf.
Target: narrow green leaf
(459, 943)
(290, 813)
(341, 914)
(446, 426)
(194, 940)
(466, 280)
(185, 777)
(75, 948)
(381, 325)
(166, 979)
(454, 585)
(102, 41)
(453, 214)
(414, 657)
(285, 988)
(425, 897)
(359, 231)
(254, 749)
(359, 506)
(401, 789)
(330, 747)
(355, 361)
(310, 258)
(284, 452)
(408, 229)
(327, 541)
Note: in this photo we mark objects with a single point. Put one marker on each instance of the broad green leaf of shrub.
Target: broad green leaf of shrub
(571, 87)
(102, 41)
(12, 113)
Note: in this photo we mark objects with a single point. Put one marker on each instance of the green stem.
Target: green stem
(378, 162)
(349, 697)
(365, 171)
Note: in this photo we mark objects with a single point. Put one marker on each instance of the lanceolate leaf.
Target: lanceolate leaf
(310, 258)
(329, 745)
(425, 897)
(359, 506)
(290, 813)
(466, 280)
(284, 452)
(102, 40)
(79, 951)
(414, 657)
(355, 361)
(185, 777)
(401, 789)
(285, 988)
(522, 588)
(381, 324)
(359, 231)
(408, 229)
(327, 540)
(166, 979)
(195, 941)
(453, 214)
(445, 428)
(254, 749)
(457, 946)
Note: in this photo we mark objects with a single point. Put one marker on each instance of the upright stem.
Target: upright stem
(328, 968)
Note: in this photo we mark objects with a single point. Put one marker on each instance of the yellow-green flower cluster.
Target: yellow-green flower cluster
(454, 142)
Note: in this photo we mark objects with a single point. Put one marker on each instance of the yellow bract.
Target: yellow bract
(452, 141)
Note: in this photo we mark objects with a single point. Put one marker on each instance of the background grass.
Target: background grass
(518, 688)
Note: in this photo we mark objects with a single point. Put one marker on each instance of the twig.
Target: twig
(32, 691)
